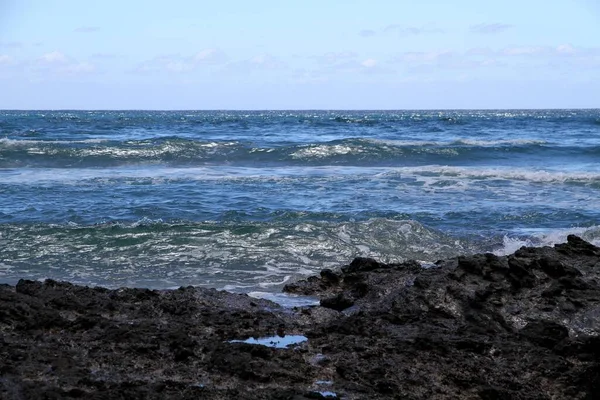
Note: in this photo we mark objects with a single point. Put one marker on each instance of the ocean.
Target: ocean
(247, 201)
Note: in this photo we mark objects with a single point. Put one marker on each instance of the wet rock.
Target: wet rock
(329, 276)
(362, 264)
(524, 326)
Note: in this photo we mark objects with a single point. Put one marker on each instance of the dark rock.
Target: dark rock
(362, 264)
(545, 333)
(339, 302)
(555, 268)
(329, 276)
(525, 326)
(520, 273)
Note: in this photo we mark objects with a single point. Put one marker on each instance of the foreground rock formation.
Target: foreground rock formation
(525, 326)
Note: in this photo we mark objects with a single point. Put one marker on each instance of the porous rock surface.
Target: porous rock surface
(524, 326)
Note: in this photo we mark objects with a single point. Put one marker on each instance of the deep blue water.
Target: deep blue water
(248, 200)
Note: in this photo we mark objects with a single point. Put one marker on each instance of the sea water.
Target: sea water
(247, 201)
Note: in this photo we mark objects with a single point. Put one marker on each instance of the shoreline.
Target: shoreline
(522, 326)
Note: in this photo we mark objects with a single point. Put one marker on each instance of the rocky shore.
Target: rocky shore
(524, 326)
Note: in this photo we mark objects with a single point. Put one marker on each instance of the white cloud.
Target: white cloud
(566, 49)
(56, 57)
(266, 61)
(57, 63)
(210, 56)
(369, 63)
(178, 66)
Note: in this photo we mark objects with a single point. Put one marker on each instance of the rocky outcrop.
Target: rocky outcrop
(524, 326)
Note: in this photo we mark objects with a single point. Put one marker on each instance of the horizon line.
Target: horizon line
(305, 109)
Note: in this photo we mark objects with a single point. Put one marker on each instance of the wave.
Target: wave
(353, 151)
(438, 177)
(505, 142)
(246, 256)
(509, 174)
(537, 238)
(152, 253)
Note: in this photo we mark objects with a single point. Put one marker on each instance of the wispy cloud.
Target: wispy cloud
(525, 50)
(78, 68)
(487, 29)
(5, 59)
(480, 51)
(404, 30)
(182, 64)
(524, 58)
(372, 66)
(87, 29)
(262, 61)
(336, 57)
(266, 61)
(446, 60)
(566, 49)
(55, 57)
(332, 64)
(421, 57)
(367, 33)
(210, 56)
(369, 63)
(57, 63)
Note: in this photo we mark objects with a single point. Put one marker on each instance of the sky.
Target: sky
(309, 54)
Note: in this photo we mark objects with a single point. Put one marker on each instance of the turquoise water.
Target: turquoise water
(247, 201)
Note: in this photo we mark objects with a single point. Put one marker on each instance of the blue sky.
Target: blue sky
(233, 54)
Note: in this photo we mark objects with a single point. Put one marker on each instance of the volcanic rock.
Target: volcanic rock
(523, 326)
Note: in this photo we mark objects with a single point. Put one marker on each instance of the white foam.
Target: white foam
(326, 150)
(437, 176)
(242, 261)
(531, 175)
(547, 238)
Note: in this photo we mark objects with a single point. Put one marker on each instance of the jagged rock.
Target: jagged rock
(524, 326)
(339, 302)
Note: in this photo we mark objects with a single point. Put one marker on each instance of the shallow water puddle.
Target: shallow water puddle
(278, 342)
(287, 300)
(326, 394)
